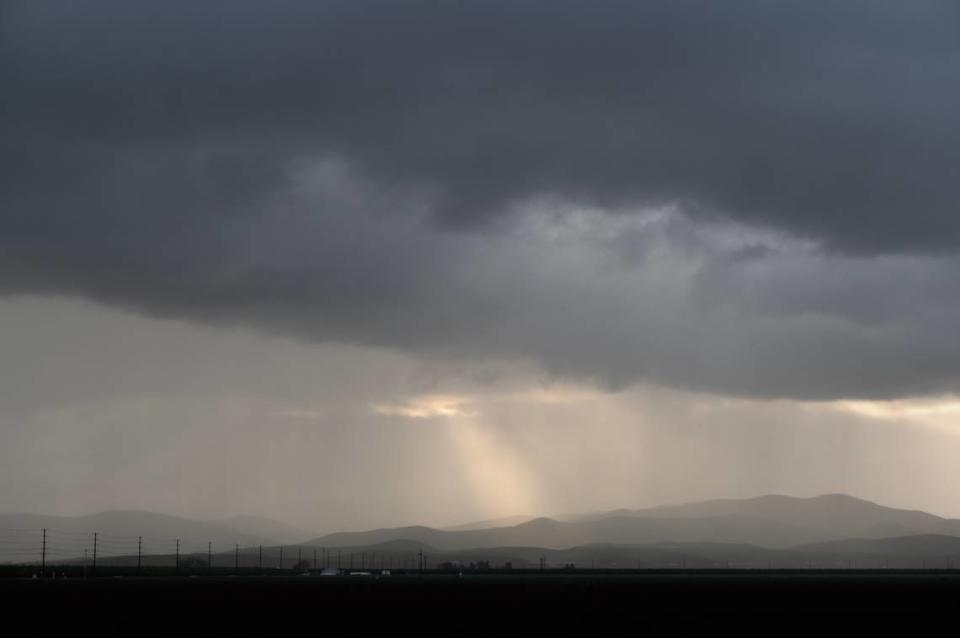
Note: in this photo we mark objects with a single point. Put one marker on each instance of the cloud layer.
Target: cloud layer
(755, 199)
(103, 410)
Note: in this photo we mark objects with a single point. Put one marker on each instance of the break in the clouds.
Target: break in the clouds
(755, 198)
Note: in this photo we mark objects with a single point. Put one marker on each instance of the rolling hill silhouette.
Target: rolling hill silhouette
(771, 521)
(832, 530)
(834, 515)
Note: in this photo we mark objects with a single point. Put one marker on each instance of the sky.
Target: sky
(368, 263)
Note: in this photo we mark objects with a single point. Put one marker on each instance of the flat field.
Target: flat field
(485, 604)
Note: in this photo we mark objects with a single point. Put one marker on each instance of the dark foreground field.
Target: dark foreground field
(584, 604)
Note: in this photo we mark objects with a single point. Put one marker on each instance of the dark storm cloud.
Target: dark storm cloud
(359, 171)
(833, 120)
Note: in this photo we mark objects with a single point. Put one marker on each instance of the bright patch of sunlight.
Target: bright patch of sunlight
(940, 412)
(426, 407)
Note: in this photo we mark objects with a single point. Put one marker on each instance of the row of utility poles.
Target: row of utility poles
(325, 555)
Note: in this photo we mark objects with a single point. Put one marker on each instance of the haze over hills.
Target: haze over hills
(768, 521)
(495, 522)
(825, 530)
(545, 532)
(765, 531)
(835, 515)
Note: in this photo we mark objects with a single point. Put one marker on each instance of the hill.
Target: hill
(831, 515)
(830, 530)
(552, 534)
(773, 522)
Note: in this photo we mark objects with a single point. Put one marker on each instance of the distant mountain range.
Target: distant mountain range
(766, 521)
(832, 530)
(552, 534)
(835, 515)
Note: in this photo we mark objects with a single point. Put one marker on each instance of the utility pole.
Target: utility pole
(281, 557)
(209, 555)
(260, 559)
(43, 552)
(176, 560)
(314, 558)
(94, 551)
(236, 557)
(139, 551)
(299, 555)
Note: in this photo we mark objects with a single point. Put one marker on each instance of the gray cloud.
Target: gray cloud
(100, 409)
(835, 122)
(382, 173)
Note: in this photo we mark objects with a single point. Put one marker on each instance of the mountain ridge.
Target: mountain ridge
(767, 522)
(773, 521)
